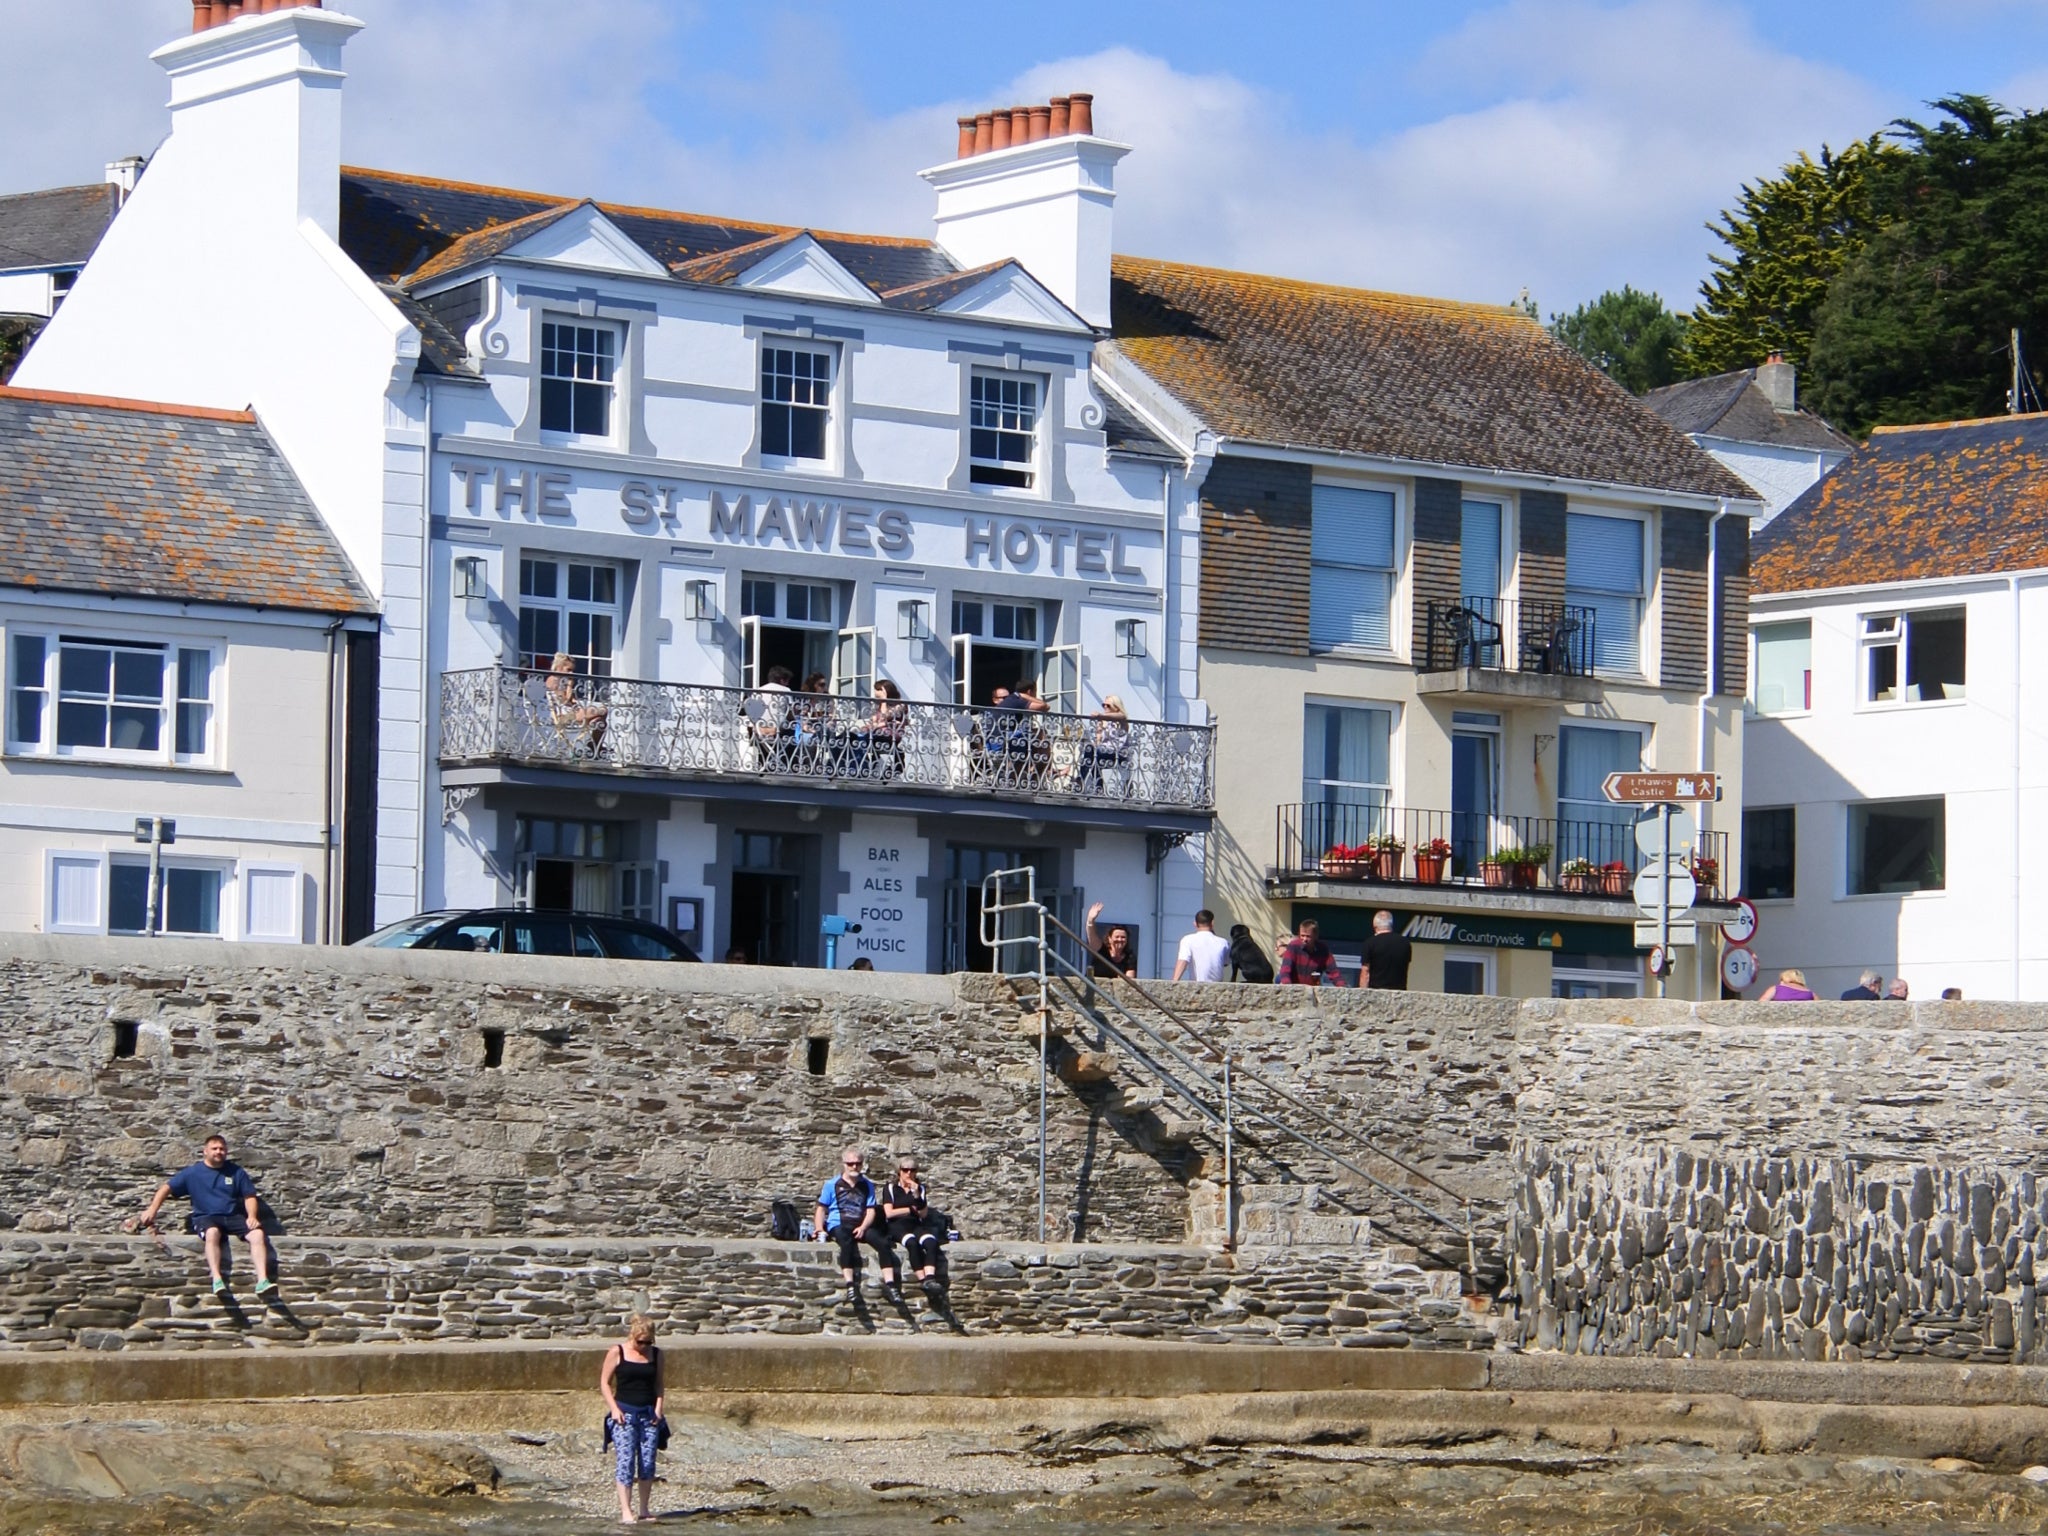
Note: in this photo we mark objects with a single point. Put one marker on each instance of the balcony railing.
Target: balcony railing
(1583, 856)
(1510, 635)
(688, 731)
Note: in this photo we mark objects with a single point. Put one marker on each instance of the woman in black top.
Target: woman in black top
(908, 1214)
(632, 1388)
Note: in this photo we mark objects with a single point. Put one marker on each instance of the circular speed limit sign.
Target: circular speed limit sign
(1741, 928)
(1738, 969)
(1660, 961)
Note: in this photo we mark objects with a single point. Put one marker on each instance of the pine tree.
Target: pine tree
(1789, 236)
(1629, 336)
(1916, 326)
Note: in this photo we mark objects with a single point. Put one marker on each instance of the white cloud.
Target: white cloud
(1604, 138)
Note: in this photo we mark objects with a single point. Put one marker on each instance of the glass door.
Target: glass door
(1475, 796)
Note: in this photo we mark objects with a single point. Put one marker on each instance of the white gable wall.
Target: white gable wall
(221, 278)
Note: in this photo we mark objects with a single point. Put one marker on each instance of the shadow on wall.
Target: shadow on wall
(1820, 829)
(1654, 1251)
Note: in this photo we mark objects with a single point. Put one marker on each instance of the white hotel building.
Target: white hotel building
(689, 452)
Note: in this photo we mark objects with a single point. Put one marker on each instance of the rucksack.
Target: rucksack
(1248, 962)
(783, 1221)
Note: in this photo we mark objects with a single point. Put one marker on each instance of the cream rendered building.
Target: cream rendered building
(1451, 578)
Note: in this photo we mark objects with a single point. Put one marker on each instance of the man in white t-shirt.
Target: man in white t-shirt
(1203, 952)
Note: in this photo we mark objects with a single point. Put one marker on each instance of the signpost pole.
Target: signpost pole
(1664, 907)
(156, 876)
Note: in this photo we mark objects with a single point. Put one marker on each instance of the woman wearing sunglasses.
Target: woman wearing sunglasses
(906, 1213)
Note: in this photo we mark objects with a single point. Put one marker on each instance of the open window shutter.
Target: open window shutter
(853, 663)
(522, 881)
(1063, 678)
(272, 912)
(750, 653)
(75, 893)
(963, 669)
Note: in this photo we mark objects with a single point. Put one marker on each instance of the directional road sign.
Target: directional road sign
(1660, 788)
(1660, 886)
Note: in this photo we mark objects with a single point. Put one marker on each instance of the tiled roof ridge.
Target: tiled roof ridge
(1335, 290)
(967, 274)
(632, 210)
(121, 403)
(457, 253)
(82, 186)
(1966, 421)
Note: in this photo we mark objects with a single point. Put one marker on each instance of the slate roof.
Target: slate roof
(1127, 434)
(1964, 498)
(1730, 405)
(137, 500)
(1279, 362)
(397, 228)
(60, 227)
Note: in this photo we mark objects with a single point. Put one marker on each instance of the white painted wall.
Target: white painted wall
(27, 293)
(1987, 755)
(1779, 475)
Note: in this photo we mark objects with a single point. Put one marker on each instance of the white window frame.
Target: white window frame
(1489, 969)
(1599, 978)
(1870, 640)
(170, 651)
(1398, 556)
(226, 913)
(1503, 557)
(1851, 853)
(565, 608)
(1032, 469)
(827, 457)
(614, 395)
(1646, 567)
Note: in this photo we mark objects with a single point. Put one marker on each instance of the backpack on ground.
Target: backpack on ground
(784, 1225)
(1248, 962)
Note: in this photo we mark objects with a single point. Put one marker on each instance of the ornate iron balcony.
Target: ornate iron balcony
(614, 725)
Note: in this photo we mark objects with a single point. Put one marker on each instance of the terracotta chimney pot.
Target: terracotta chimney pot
(1081, 118)
(966, 126)
(984, 132)
(1057, 128)
(999, 137)
(1020, 125)
(1041, 123)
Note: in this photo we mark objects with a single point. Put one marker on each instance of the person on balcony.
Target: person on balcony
(1306, 961)
(811, 713)
(878, 740)
(772, 722)
(574, 716)
(1107, 745)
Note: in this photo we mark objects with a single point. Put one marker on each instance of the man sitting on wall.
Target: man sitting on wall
(1869, 988)
(223, 1202)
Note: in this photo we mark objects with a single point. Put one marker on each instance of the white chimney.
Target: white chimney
(259, 98)
(1037, 185)
(1779, 381)
(123, 174)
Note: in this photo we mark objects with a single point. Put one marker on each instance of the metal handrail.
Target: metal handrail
(1068, 974)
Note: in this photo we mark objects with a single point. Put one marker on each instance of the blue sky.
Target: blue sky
(1467, 148)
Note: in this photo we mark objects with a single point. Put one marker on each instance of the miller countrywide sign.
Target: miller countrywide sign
(1660, 788)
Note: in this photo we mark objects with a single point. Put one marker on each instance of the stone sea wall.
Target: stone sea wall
(1622, 1251)
(134, 1293)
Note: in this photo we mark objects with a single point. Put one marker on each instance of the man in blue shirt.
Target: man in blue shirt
(847, 1214)
(223, 1201)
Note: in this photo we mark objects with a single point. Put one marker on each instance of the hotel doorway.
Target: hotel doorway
(768, 907)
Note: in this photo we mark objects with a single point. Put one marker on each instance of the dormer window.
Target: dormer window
(578, 375)
(1002, 430)
(796, 402)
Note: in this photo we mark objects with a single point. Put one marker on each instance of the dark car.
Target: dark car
(520, 931)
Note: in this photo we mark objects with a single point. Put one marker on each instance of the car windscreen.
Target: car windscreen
(405, 933)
